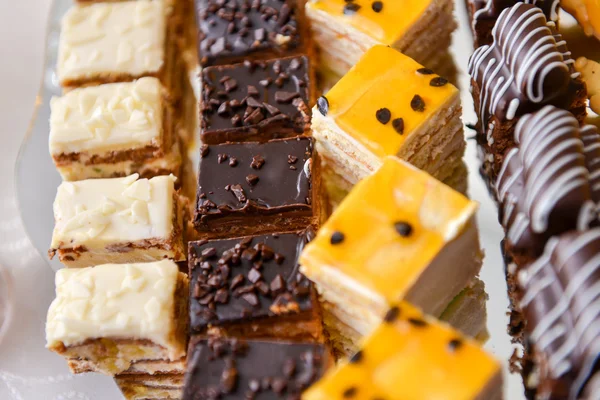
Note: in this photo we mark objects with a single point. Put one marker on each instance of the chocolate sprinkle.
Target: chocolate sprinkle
(350, 392)
(392, 314)
(337, 237)
(404, 229)
(383, 115)
(252, 179)
(425, 71)
(377, 6)
(323, 105)
(398, 125)
(417, 103)
(438, 82)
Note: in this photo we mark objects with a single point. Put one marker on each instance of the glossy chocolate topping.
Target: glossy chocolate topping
(255, 178)
(550, 182)
(234, 280)
(561, 296)
(255, 96)
(235, 369)
(526, 66)
(236, 28)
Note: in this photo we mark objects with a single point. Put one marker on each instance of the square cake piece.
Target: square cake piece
(345, 30)
(231, 369)
(399, 234)
(256, 100)
(105, 318)
(413, 357)
(118, 220)
(238, 30)
(251, 287)
(257, 188)
(118, 41)
(388, 104)
(114, 130)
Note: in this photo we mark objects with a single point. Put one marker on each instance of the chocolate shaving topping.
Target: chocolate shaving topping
(417, 322)
(425, 71)
(454, 344)
(257, 162)
(350, 392)
(383, 115)
(323, 105)
(239, 193)
(204, 149)
(252, 179)
(437, 82)
(285, 97)
(398, 125)
(357, 357)
(417, 103)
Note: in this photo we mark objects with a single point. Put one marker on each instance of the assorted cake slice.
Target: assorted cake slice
(391, 239)
(118, 220)
(108, 42)
(114, 130)
(345, 30)
(238, 369)
(251, 287)
(255, 188)
(526, 67)
(410, 357)
(388, 104)
(256, 100)
(104, 318)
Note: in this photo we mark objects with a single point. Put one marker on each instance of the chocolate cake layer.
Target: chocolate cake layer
(235, 30)
(484, 13)
(235, 369)
(563, 320)
(236, 281)
(253, 188)
(255, 100)
(526, 67)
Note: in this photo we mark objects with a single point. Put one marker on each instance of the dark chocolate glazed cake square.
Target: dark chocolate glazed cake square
(230, 31)
(234, 369)
(234, 281)
(255, 188)
(255, 100)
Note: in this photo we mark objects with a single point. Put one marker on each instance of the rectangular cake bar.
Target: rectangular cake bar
(118, 220)
(345, 30)
(114, 130)
(107, 317)
(388, 104)
(106, 42)
(251, 287)
(231, 369)
(151, 387)
(257, 188)
(238, 30)
(256, 101)
(411, 357)
(399, 234)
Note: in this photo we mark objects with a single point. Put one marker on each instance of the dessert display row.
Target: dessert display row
(230, 230)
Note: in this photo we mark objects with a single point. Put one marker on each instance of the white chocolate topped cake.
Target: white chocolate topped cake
(114, 130)
(391, 239)
(413, 357)
(388, 104)
(117, 220)
(115, 41)
(108, 316)
(345, 30)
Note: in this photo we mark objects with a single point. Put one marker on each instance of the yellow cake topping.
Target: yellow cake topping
(385, 79)
(587, 13)
(412, 357)
(385, 22)
(388, 230)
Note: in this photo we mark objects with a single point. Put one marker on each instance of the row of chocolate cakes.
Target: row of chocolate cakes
(541, 163)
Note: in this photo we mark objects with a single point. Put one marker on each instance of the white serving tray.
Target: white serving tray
(37, 180)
